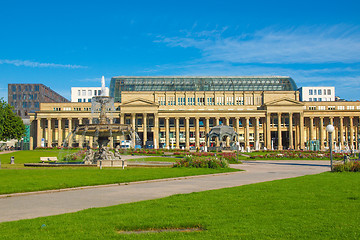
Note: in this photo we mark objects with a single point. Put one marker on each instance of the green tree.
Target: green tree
(11, 125)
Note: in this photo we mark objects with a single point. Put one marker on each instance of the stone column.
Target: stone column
(257, 140)
(207, 124)
(341, 126)
(321, 135)
(207, 130)
(217, 121)
(296, 123)
(70, 130)
(49, 132)
(268, 131)
(279, 132)
(197, 133)
(227, 122)
(81, 138)
(187, 133)
(177, 132)
(291, 138)
(60, 132)
(301, 132)
(247, 133)
(144, 129)
(351, 133)
(156, 131)
(39, 133)
(167, 133)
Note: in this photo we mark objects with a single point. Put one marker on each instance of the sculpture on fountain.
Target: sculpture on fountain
(102, 130)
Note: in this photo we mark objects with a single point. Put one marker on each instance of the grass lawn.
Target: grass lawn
(22, 157)
(35, 179)
(324, 206)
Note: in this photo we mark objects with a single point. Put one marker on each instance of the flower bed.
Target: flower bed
(202, 162)
(300, 155)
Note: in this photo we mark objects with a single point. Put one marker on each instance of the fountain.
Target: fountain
(102, 130)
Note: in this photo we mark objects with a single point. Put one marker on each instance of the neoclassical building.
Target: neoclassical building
(178, 112)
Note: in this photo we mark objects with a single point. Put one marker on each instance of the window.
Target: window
(315, 92)
(310, 99)
(324, 91)
(315, 99)
(319, 92)
(201, 101)
(36, 104)
(191, 101)
(13, 88)
(319, 99)
(89, 92)
(84, 92)
(329, 92)
(181, 101)
(161, 101)
(89, 100)
(19, 88)
(229, 100)
(79, 100)
(239, 100)
(14, 96)
(95, 92)
(171, 101)
(26, 88)
(341, 108)
(210, 101)
(310, 92)
(79, 93)
(99, 92)
(220, 101)
(84, 100)
(36, 88)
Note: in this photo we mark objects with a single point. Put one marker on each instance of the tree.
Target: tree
(11, 125)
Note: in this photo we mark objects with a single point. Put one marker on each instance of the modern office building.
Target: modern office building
(26, 98)
(178, 112)
(317, 94)
(84, 94)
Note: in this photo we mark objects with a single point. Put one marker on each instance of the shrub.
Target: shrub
(351, 166)
(202, 162)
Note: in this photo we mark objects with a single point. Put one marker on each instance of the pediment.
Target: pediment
(284, 102)
(139, 102)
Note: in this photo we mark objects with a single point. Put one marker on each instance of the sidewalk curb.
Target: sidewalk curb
(113, 185)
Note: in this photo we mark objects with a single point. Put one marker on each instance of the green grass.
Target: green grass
(324, 206)
(36, 179)
(22, 157)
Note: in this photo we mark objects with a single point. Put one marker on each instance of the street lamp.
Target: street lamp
(330, 129)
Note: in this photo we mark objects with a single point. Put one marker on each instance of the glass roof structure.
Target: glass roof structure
(195, 83)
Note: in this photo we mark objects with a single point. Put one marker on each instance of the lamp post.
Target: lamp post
(330, 129)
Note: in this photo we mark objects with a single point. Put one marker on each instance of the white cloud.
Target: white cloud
(339, 43)
(28, 63)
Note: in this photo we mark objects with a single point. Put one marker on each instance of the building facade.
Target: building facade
(26, 98)
(84, 94)
(272, 119)
(317, 94)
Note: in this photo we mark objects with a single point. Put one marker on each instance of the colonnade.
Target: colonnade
(268, 129)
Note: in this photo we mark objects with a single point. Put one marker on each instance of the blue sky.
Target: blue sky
(73, 43)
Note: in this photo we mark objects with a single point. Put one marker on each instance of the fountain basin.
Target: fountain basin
(103, 130)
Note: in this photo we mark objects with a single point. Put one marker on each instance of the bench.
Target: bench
(48, 159)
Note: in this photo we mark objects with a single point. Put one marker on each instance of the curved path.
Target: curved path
(55, 202)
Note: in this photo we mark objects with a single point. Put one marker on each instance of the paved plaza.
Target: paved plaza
(58, 202)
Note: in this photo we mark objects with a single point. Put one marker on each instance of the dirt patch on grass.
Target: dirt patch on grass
(140, 231)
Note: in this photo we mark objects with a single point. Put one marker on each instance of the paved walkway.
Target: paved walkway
(46, 204)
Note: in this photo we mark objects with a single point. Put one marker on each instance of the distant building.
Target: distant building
(26, 98)
(84, 94)
(317, 94)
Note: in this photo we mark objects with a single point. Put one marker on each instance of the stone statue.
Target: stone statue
(89, 156)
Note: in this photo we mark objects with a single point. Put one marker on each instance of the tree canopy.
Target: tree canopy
(11, 125)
